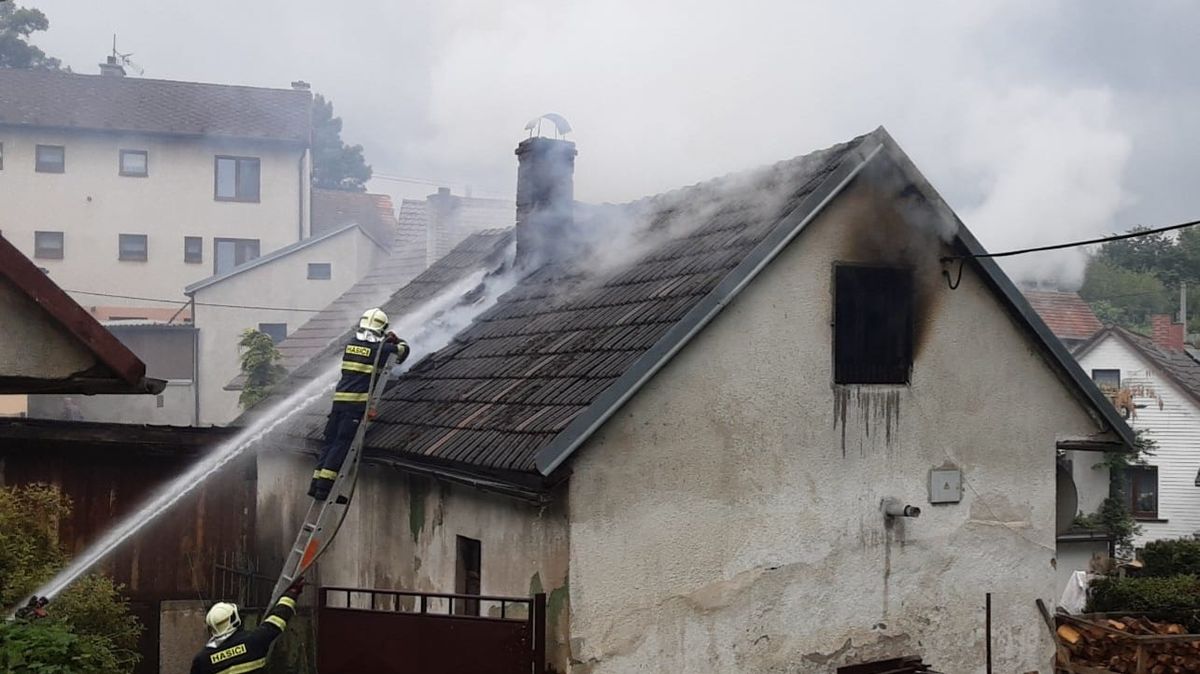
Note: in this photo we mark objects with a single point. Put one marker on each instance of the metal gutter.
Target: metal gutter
(620, 391)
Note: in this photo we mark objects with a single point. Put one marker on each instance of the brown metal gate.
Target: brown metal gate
(394, 632)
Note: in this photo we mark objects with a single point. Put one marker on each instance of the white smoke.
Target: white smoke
(1050, 165)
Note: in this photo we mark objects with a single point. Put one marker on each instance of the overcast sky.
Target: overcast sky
(1038, 121)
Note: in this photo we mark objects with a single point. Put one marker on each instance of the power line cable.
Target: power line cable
(199, 304)
(1075, 244)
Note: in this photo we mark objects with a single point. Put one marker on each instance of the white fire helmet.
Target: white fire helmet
(374, 320)
(222, 619)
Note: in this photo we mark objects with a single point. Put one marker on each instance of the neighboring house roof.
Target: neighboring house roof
(280, 253)
(51, 99)
(522, 387)
(413, 223)
(120, 372)
(1177, 366)
(333, 209)
(1066, 314)
(388, 287)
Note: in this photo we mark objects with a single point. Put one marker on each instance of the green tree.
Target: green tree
(260, 365)
(1122, 295)
(336, 166)
(16, 25)
(89, 627)
(1114, 516)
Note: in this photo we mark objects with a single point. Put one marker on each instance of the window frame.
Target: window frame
(121, 163)
(1133, 493)
(841, 378)
(265, 329)
(121, 257)
(38, 251)
(198, 258)
(217, 241)
(39, 167)
(237, 179)
(1106, 370)
(328, 266)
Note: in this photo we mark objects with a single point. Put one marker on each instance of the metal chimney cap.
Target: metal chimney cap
(561, 126)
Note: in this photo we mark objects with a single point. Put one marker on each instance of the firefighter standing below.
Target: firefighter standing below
(371, 345)
(233, 650)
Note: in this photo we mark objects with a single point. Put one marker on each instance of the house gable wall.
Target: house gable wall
(1172, 419)
(728, 517)
(281, 283)
(34, 344)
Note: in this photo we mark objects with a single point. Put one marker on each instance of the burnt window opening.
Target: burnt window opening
(872, 325)
(467, 576)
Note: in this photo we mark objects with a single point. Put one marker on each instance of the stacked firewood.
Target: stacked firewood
(1114, 650)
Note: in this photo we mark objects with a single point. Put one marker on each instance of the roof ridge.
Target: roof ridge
(157, 80)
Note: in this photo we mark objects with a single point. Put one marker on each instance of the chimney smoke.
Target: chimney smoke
(545, 200)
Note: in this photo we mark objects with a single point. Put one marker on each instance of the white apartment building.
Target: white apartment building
(139, 187)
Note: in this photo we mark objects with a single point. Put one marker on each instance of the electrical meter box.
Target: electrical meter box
(945, 485)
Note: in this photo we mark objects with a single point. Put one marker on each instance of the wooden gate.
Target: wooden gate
(395, 632)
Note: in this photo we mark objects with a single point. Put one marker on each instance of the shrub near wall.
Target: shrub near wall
(1171, 558)
(1174, 598)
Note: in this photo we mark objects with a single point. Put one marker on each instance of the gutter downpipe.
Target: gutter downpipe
(300, 196)
(195, 366)
(705, 319)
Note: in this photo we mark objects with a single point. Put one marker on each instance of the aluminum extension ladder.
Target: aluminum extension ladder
(324, 518)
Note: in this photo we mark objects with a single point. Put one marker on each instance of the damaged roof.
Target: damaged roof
(117, 369)
(1066, 314)
(58, 100)
(516, 392)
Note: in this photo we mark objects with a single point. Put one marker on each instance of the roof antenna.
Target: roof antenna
(123, 59)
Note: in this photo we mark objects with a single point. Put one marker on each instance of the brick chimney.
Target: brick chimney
(111, 68)
(545, 200)
(1166, 333)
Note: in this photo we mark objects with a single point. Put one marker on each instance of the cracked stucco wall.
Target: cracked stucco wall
(401, 533)
(727, 519)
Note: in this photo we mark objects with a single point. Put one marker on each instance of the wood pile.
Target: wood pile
(1126, 645)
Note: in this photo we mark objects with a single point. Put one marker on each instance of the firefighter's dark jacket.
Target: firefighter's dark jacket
(246, 650)
(358, 370)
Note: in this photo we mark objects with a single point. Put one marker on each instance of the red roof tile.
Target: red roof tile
(1066, 314)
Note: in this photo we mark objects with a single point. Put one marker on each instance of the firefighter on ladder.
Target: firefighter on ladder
(233, 650)
(371, 344)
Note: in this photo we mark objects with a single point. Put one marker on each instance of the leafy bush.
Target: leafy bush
(1175, 598)
(1171, 558)
(29, 551)
(48, 647)
(88, 628)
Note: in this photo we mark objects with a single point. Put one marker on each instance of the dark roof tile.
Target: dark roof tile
(50, 99)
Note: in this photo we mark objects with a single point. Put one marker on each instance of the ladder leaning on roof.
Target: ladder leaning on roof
(324, 518)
